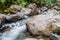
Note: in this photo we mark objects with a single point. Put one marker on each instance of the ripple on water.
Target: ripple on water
(19, 28)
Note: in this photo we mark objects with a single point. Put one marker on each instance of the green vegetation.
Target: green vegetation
(43, 2)
(4, 4)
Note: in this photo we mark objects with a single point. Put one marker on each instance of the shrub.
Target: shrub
(4, 4)
(43, 2)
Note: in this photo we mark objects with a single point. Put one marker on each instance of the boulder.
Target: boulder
(43, 24)
(34, 9)
(43, 9)
(56, 8)
(14, 17)
(26, 11)
(13, 9)
(56, 25)
(17, 7)
(32, 6)
(58, 2)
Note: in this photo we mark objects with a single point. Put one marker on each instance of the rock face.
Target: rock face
(14, 17)
(43, 24)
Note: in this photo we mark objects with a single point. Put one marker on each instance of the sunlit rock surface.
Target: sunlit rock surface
(42, 24)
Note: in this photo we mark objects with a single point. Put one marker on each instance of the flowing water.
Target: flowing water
(17, 31)
(17, 28)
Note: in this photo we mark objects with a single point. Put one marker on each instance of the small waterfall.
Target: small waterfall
(16, 29)
(54, 36)
(57, 36)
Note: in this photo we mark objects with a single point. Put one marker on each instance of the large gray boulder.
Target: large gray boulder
(13, 17)
(43, 24)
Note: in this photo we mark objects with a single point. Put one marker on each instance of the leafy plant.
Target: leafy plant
(21, 2)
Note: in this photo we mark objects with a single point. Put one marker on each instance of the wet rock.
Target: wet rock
(34, 9)
(32, 6)
(39, 25)
(51, 11)
(56, 25)
(17, 7)
(58, 2)
(42, 24)
(14, 17)
(13, 9)
(19, 15)
(56, 8)
(54, 36)
(43, 9)
(2, 19)
(26, 11)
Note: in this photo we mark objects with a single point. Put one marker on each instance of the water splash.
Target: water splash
(17, 28)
